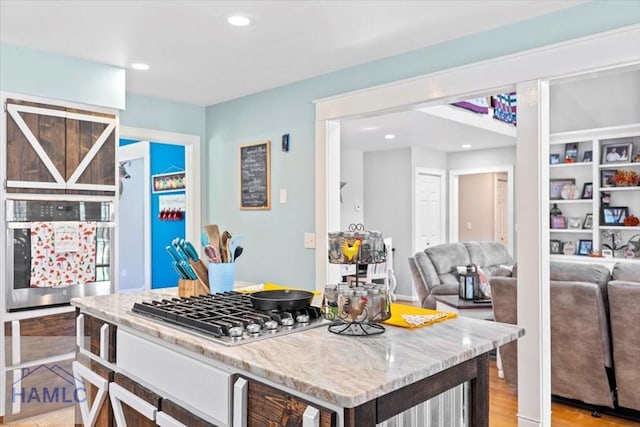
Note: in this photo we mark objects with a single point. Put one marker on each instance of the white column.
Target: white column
(532, 198)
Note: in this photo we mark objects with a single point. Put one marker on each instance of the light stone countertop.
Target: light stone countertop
(341, 370)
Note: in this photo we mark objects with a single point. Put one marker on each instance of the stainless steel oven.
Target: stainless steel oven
(57, 250)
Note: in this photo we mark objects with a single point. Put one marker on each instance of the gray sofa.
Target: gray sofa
(624, 304)
(581, 355)
(434, 271)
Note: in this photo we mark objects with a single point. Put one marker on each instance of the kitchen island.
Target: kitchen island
(331, 379)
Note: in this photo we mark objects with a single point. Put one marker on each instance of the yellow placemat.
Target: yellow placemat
(398, 310)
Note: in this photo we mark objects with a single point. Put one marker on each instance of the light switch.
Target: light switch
(469, 225)
(309, 240)
(357, 207)
(283, 196)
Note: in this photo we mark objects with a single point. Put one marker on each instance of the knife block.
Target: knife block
(191, 288)
(202, 272)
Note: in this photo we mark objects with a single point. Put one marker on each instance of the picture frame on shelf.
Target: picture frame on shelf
(587, 190)
(555, 246)
(575, 222)
(587, 157)
(606, 177)
(607, 253)
(587, 224)
(585, 247)
(554, 158)
(556, 185)
(558, 222)
(613, 215)
(568, 248)
(571, 152)
(617, 152)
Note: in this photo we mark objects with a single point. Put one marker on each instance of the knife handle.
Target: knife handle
(189, 270)
(176, 267)
(191, 251)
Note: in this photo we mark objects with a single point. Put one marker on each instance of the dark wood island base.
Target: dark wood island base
(476, 371)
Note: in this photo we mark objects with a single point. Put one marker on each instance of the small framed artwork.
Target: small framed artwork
(585, 247)
(587, 224)
(614, 215)
(555, 246)
(168, 182)
(556, 185)
(606, 176)
(558, 222)
(587, 190)
(569, 248)
(575, 222)
(617, 153)
(554, 158)
(571, 152)
(607, 253)
(587, 157)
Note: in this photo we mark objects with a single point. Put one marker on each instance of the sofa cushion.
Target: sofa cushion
(627, 272)
(578, 272)
(488, 255)
(445, 258)
(446, 290)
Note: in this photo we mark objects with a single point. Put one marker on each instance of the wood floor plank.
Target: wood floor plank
(503, 409)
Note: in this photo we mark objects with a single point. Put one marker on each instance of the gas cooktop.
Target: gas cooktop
(229, 318)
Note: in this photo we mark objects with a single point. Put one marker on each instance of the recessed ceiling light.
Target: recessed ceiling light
(140, 66)
(466, 145)
(239, 21)
(389, 136)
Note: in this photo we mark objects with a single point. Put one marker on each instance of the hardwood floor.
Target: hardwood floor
(503, 408)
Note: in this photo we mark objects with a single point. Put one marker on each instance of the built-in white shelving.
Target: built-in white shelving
(588, 168)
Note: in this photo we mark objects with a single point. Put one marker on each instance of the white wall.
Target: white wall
(425, 158)
(351, 172)
(387, 196)
(607, 100)
(475, 159)
(476, 206)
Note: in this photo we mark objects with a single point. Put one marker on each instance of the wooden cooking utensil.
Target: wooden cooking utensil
(224, 247)
(213, 232)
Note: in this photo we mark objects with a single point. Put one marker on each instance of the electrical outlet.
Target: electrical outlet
(309, 240)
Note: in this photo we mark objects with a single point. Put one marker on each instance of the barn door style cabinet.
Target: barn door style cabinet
(53, 149)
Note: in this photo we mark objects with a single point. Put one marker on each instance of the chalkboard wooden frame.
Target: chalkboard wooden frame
(257, 170)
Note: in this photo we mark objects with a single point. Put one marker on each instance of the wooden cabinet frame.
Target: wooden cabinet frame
(66, 169)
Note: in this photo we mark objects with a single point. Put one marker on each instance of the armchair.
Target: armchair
(624, 303)
(581, 358)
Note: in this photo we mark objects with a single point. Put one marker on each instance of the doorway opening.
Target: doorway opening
(156, 262)
(481, 205)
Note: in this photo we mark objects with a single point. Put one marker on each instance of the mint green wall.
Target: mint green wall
(161, 114)
(49, 75)
(274, 239)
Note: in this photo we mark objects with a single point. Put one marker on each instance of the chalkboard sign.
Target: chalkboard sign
(255, 176)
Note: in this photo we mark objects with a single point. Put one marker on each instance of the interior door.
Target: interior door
(133, 226)
(501, 210)
(429, 196)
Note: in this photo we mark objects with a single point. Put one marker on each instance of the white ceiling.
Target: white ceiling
(416, 128)
(196, 57)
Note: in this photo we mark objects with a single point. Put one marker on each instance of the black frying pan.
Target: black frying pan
(281, 300)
